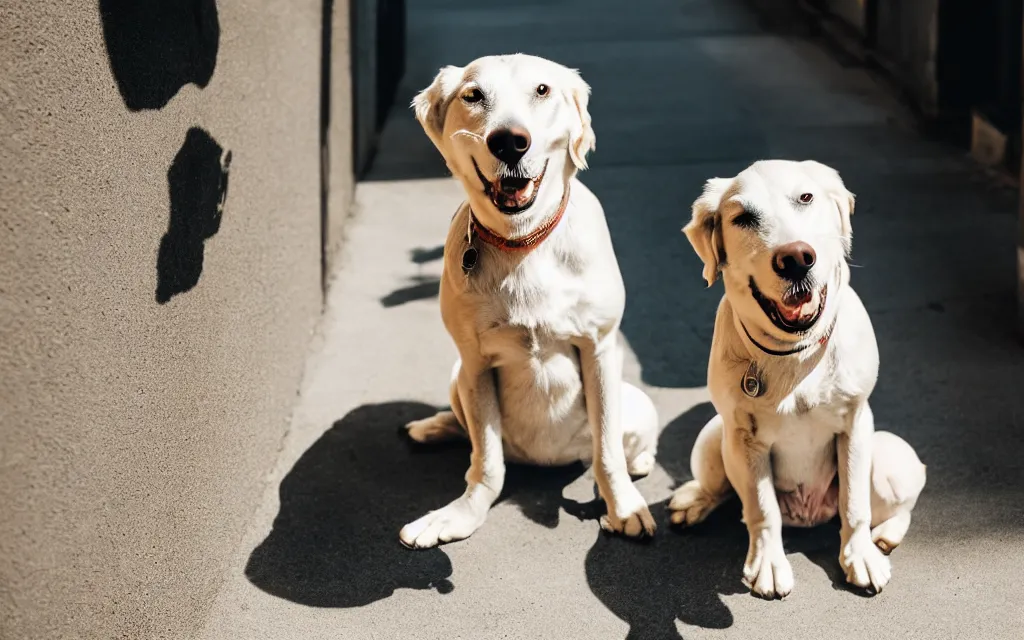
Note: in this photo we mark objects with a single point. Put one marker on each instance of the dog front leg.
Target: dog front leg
(864, 564)
(486, 474)
(601, 363)
(748, 466)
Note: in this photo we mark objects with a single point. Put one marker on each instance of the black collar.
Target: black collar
(772, 352)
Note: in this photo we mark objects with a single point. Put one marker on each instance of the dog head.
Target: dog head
(779, 233)
(513, 129)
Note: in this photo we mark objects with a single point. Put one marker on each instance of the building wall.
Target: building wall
(337, 127)
(160, 275)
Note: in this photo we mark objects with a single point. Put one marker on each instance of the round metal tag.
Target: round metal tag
(469, 258)
(751, 382)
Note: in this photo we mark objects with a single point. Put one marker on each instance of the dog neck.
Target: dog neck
(523, 243)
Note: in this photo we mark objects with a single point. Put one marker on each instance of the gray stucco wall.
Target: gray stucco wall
(151, 342)
(338, 133)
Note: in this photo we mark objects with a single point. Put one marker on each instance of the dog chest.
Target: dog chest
(537, 304)
(508, 342)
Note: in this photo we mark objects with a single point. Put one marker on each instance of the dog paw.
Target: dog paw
(641, 465)
(864, 563)
(889, 534)
(456, 521)
(690, 504)
(438, 428)
(628, 514)
(767, 571)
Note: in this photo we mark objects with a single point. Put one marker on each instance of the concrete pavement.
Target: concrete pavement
(683, 90)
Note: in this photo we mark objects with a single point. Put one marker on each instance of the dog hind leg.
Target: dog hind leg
(445, 425)
(897, 479)
(695, 500)
(639, 430)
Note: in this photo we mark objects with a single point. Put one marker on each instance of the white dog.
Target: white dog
(793, 361)
(531, 294)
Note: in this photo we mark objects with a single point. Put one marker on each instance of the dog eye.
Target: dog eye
(473, 96)
(805, 198)
(746, 220)
(543, 90)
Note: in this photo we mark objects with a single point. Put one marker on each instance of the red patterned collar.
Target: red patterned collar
(520, 244)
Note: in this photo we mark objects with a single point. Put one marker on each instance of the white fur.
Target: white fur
(780, 452)
(539, 379)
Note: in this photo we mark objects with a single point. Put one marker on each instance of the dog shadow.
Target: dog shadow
(334, 542)
(679, 574)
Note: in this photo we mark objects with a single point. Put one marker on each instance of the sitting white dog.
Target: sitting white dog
(531, 294)
(793, 361)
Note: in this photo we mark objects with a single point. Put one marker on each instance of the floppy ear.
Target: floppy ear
(581, 135)
(431, 104)
(704, 231)
(829, 178)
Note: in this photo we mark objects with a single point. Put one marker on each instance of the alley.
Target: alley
(683, 90)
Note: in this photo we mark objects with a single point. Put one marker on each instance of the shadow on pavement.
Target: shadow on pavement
(682, 573)
(422, 287)
(335, 539)
(678, 575)
(334, 542)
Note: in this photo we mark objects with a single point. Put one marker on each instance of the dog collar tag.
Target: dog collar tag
(469, 258)
(751, 382)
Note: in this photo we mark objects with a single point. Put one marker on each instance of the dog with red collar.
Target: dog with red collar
(532, 296)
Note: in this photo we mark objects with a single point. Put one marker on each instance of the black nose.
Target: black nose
(509, 145)
(793, 261)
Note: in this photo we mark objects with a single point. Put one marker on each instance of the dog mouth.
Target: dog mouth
(799, 309)
(511, 192)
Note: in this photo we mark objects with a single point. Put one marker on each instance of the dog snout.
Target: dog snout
(793, 261)
(509, 144)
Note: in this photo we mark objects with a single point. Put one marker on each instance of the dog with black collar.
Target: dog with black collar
(793, 362)
(532, 296)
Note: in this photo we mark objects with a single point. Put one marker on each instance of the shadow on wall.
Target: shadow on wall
(198, 183)
(334, 542)
(156, 47)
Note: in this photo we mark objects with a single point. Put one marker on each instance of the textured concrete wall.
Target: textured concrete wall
(159, 279)
(336, 130)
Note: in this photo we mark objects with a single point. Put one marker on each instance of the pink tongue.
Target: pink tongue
(791, 313)
(792, 306)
